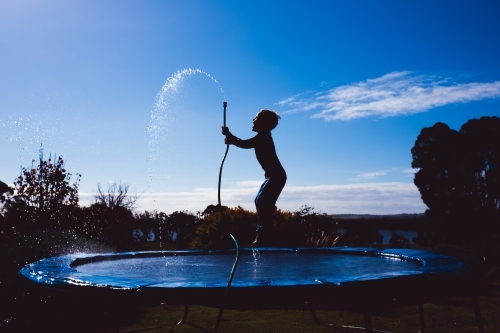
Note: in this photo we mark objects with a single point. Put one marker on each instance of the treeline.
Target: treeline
(41, 216)
(404, 222)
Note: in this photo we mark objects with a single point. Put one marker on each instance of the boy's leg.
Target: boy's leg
(265, 202)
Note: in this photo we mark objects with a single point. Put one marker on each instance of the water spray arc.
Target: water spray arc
(163, 115)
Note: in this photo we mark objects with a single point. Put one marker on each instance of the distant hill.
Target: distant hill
(379, 217)
(406, 222)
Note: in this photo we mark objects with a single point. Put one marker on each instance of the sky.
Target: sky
(132, 92)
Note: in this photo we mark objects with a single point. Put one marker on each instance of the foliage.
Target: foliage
(398, 239)
(459, 178)
(150, 222)
(214, 229)
(111, 226)
(302, 228)
(43, 199)
(318, 229)
(437, 156)
(116, 196)
(5, 190)
(181, 226)
(178, 227)
(360, 235)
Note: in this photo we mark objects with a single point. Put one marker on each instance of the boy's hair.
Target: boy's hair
(270, 118)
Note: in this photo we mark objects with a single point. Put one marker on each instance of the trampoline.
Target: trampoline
(352, 279)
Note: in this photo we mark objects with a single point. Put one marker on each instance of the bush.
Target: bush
(493, 273)
(214, 229)
(299, 229)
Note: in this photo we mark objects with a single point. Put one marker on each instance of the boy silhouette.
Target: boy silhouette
(275, 176)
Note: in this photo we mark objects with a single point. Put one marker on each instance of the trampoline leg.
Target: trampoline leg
(184, 317)
(182, 321)
(366, 317)
(422, 322)
(317, 320)
(368, 322)
(479, 320)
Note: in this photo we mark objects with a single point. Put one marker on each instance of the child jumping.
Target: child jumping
(275, 175)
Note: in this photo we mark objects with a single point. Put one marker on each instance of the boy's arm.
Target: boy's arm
(249, 143)
(233, 140)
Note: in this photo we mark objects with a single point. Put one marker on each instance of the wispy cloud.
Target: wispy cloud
(360, 198)
(394, 94)
(368, 175)
(410, 172)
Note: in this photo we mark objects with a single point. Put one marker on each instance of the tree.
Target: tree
(482, 148)
(43, 196)
(302, 228)
(116, 196)
(459, 175)
(4, 190)
(318, 229)
(149, 224)
(212, 232)
(110, 219)
(112, 226)
(398, 239)
(438, 156)
(181, 226)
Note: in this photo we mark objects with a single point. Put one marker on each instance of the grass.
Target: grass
(47, 311)
(453, 315)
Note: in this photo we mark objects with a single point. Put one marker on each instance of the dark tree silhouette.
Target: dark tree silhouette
(43, 196)
(398, 239)
(5, 189)
(459, 175)
(110, 220)
(482, 148)
(181, 226)
(112, 226)
(148, 223)
(116, 196)
(438, 154)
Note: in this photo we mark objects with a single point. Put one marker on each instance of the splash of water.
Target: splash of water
(165, 97)
(173, 81)
(163, 118)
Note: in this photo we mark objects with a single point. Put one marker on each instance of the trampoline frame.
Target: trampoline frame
(438, 278)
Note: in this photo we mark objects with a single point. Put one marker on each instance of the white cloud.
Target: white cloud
(362, 198)
(365, 176)
(410, 172)
(368, 175)
(394, 94)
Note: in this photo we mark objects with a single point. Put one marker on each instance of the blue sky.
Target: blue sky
(354, 81)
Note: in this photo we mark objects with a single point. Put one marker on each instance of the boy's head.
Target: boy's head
(265, 120)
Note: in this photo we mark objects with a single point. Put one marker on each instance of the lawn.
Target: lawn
(453, 315)
(46, 311)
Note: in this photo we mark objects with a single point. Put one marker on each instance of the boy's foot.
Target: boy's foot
(255, 240)
(262, 240)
